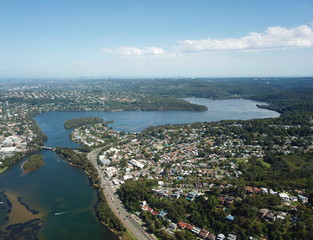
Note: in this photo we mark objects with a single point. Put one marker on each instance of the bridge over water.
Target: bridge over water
(48, 148)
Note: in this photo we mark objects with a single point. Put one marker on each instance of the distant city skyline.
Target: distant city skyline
(218, 38)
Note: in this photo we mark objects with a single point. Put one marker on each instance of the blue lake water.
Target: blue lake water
(135, 121)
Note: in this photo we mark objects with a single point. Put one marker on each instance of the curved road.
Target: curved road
(129, 221)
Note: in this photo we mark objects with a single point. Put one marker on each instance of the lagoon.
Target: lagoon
(135, 121)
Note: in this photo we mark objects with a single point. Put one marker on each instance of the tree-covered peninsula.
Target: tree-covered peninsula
(78, 122)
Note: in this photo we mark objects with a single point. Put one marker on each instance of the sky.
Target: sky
(163, 38)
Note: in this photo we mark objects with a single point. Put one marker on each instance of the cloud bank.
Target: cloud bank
(273, 38)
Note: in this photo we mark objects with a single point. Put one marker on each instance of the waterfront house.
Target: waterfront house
(196, 230)
(220, 236)
(162, 213)
(230, 218)
(189, 227)
(231, 237)
(173, 226)
(211, 236)
(284, 197)
(182, 225)
(262, 212)
(303, 199)
(270, 217)
(203, 233)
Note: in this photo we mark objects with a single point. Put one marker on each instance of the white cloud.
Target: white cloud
(133, 51)
(272, 38)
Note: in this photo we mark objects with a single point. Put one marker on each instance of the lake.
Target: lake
(62, 193)
(135, 121)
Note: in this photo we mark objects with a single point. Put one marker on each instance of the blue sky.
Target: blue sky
(164, 38)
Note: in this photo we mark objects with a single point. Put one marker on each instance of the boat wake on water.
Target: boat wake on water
(60, 213)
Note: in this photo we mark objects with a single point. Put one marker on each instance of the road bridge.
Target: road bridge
(48, 148)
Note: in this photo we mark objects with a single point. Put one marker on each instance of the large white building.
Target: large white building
(110, 171)
(135, 163)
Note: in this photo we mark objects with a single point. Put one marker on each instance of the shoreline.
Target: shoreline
(35, 114)
(98, 189)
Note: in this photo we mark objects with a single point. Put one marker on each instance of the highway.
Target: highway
(128, 220)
